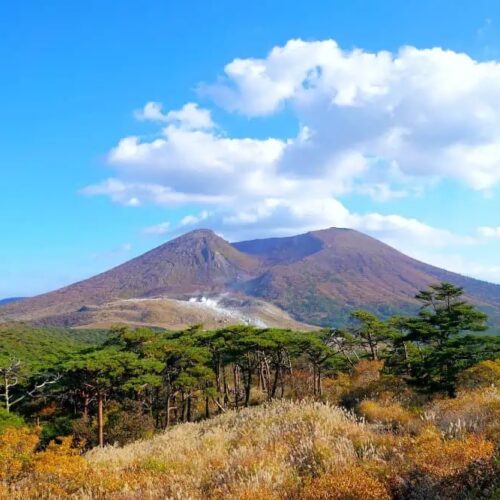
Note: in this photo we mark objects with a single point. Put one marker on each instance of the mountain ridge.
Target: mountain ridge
(315, 278)
(9, 300)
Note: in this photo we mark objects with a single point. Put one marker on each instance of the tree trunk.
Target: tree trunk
(218, 377)
(183, 407)
(236, 386)
(276, 379)
(188, 411)
(248, 387)
(86, 401)
(226, 389)
(100, 419)
(207, 407)
(167, 410)
(6, 393)
(373, 348)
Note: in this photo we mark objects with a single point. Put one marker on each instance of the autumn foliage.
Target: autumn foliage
(283, 449)
(406, 409)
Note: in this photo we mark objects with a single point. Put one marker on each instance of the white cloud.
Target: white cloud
(190, 220)
(381, 125)
(134, 194)
(278, 217)
(157, 230)
(435, 112)
(189, 117)
(151, 111)
(489, 232)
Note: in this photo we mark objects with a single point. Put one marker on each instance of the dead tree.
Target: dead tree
(11, 376)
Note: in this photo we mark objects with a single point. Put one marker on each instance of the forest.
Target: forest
(406, 407)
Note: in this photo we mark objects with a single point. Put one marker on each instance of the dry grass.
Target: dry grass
(389, 414)
(471, 411)
(271, 447)
(296, 450)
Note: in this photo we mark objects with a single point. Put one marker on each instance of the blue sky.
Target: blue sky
(323, 130)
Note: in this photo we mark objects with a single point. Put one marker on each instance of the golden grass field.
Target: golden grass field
(283, 449)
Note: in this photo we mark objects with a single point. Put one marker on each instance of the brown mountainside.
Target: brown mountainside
(346, 269)
(318, 278)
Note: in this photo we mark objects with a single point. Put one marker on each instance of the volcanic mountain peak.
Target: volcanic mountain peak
(206, 244)
(318, 277)
(206, 236)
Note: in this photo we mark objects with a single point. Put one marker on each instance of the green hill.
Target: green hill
(39, 347)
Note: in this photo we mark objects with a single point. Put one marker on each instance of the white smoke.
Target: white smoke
(214, 304)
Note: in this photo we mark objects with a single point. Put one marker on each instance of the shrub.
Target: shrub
(448, 468)
(9, 420)
(128, 423)
(484, 374)
(368, 382)
(391, 415)
(17, 446)
(447, 457)
(60, 466)
(473, 411)
(283, 449)
(349, 483)
(366, 371)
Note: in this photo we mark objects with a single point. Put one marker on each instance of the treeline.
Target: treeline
(141, 380)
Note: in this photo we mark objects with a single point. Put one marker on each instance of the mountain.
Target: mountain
(8, 300)
(316, 278)
(322, 275)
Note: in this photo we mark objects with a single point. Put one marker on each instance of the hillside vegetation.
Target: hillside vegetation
(297, 450)
(406, 407)
(39, 348)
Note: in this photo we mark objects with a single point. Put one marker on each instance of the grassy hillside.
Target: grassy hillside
(397, 409)
(281, 450)
(39, 347)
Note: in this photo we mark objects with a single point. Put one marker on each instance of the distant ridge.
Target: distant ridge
(9, 300)
(315, 278)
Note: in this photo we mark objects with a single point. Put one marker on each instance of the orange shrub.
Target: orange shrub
(436, 467)
(368, 382)
(295, 450)
(471, 411)
(441, 457)
(392, 415)
(61, 462)
(17, 447)
(484, 374)
(350, 483)
(366, 371)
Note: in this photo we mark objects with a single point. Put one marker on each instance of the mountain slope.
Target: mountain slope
(39, 348)
(317, 278)
(9, 300)
(197, 262)
(345, 269)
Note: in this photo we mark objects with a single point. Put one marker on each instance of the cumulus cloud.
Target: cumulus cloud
(489, 232)
(157, 230)
(190, 116)
(136, 193)
(190, 220)
(380, 125)
(434, 113)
